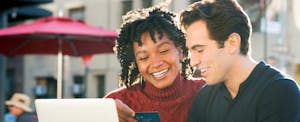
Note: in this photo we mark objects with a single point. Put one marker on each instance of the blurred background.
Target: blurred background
(275, 39)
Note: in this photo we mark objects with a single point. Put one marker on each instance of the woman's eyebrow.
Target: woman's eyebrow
(164, 43)
(140, 52)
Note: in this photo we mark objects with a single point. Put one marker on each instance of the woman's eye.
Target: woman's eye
(164, 51)
(143, 58)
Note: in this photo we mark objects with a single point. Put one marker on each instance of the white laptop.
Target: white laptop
(76, 110)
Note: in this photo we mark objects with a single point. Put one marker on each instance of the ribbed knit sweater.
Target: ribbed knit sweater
(172, 103)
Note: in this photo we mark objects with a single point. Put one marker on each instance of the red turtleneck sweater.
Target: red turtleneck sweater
(172, 103)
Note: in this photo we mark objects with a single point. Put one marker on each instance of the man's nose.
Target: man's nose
(194, 60)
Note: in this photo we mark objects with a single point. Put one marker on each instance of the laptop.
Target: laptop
(76, 110)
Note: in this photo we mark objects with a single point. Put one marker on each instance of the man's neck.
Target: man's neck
(240, 71)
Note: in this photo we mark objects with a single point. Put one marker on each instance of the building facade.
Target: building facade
(101, 75)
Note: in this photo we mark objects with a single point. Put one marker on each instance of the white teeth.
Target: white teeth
(159, 74)
(203, 70)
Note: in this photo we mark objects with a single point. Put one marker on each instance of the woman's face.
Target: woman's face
(157, 62)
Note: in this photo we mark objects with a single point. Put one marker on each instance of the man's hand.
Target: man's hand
(125, 113)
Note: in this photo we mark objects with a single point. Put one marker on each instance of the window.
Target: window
(126, 6)
(147, 3)
(10, 82)
(101, 85)
(192, 1)
(77, 88)
(77, 13)
(254, 10)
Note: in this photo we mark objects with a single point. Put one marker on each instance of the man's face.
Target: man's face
(206, 56)
(15, 110)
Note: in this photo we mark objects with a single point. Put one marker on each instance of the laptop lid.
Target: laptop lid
(76, 110)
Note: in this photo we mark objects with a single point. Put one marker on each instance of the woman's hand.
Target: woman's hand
(125, 113)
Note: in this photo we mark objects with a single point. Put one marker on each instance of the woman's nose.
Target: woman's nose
(157, 62)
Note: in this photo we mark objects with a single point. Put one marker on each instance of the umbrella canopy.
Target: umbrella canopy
(56, 35)
(42, 37)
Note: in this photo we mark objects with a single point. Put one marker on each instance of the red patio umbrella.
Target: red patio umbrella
(56, 35)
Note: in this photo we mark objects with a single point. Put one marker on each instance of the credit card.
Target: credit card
(147, 117)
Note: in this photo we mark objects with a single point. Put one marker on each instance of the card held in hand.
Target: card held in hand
(147, 117)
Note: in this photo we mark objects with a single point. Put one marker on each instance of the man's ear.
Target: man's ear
(233, 43)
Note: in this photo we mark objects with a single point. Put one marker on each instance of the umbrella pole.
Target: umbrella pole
(59, 70)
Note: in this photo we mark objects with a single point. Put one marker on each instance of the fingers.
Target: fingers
(125, 113)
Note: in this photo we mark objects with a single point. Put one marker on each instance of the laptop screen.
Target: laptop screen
(76, 110)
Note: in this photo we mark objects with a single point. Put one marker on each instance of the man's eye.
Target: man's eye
(200, 51)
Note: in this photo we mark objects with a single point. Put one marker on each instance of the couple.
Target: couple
(157, 60)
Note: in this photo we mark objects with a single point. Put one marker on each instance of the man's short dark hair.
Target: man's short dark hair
(222, 17)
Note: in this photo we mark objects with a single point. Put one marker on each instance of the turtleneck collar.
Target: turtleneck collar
(169, 93)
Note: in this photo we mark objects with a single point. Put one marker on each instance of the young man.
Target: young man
(239, 89)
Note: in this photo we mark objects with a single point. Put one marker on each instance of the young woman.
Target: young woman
(152, 53)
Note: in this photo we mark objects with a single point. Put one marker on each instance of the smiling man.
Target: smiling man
(239, 88)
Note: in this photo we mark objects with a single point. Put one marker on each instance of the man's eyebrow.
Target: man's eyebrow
(197, 46)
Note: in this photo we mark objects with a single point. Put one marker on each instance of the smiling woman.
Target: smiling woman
(157, 62)
(152, 53)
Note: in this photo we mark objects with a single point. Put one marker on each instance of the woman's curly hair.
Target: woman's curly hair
(135, 23)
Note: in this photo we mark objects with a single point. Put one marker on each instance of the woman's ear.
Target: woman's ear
(233, 43)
